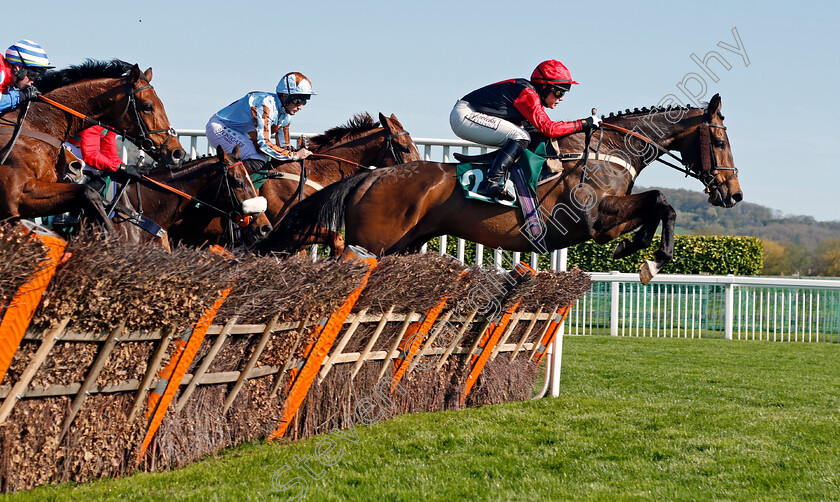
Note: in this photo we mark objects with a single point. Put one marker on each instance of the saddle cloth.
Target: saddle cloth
(470, 176)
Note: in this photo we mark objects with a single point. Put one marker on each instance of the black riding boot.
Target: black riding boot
(497, 174)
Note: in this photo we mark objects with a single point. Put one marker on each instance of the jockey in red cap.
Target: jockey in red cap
(493, 115)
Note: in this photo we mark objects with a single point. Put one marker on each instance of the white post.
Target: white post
(614, 305)
(557, 354)
(729, 309)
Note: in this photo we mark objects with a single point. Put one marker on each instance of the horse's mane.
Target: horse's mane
(647, 111)
(361, 122)
(88, 70)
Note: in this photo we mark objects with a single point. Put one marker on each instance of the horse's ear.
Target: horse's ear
(235, 152)
(714, 104)
(220, 153)
(148, 74)
(135, 72)
(384, 121)
(395, 121)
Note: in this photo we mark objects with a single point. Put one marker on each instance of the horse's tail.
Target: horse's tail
(306, 220)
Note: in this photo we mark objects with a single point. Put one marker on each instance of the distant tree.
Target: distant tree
(774, 258)
(827, 257)
(798, 260)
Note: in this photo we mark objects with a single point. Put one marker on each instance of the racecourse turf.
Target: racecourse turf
(637, 419)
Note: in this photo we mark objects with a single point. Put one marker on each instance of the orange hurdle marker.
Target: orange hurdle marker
(21, 310)
(171, 376)
(550, 333)
(413, 340)
(493, 333)
(315, 354)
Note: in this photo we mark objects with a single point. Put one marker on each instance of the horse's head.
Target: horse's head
(145, 121)
(711, 158)
(247, 208)
(399, 148)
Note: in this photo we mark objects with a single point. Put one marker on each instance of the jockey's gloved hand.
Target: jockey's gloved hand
(28, 94)
(302, 154)
(592, 122)
(130, 172)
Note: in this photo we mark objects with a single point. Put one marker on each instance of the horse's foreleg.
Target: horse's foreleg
(619, 215)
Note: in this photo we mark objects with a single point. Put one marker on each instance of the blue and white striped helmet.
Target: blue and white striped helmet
(295, 83)
(27, 53)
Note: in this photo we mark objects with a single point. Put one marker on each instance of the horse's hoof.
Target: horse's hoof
(649, 270)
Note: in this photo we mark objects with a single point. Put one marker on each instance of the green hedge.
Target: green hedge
(693, 254)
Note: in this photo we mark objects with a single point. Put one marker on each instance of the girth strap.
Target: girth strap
(612, 159)
(46, 138)
(141, 221)
(290, 177)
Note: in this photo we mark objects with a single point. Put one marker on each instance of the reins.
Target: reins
(705, 154)
(18, 127)
(188, 197)
(144, 141)
(339, 159)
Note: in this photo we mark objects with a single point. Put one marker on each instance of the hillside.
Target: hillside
(696, 216)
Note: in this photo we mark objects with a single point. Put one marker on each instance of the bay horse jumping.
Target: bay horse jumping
(218, 185)
(338, 153)
(114, 93)
(387, 213)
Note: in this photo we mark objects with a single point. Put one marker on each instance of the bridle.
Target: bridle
(144, 140)
(390, 150)
(234, 216)
(709, 166)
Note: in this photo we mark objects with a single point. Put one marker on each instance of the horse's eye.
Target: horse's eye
(147, 107)
(719, 144)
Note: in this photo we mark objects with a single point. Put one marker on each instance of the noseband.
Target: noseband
(708, 161)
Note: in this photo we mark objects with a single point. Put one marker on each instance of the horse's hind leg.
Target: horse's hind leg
(619, 215)
(40, 198)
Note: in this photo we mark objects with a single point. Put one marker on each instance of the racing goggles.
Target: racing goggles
(298, 99)
(559, 91)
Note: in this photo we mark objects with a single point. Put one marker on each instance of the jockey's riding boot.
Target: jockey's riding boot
(497, 174)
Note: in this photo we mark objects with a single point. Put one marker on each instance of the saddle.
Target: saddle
(482, 158)
(522, 183)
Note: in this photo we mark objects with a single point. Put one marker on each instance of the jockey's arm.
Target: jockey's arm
(263, 120)
(528, 104)
(9, 100)
(99, 152)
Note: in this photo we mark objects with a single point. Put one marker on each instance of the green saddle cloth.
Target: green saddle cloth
(531, 164)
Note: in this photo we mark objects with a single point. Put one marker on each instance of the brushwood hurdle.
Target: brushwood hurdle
(114, 368)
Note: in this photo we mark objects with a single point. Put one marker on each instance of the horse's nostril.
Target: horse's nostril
(738, 197)
(265, 230)
(178, 154)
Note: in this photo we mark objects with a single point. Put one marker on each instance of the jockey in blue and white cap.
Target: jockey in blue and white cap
(253, 121)
(24, 61)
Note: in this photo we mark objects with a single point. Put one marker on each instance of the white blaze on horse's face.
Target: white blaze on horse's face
(254, 205)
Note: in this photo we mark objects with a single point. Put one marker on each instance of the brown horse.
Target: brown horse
(389, 214)
(218, 185)
(339, 152)
(114, 93)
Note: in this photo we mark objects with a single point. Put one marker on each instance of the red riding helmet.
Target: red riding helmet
(552, 72)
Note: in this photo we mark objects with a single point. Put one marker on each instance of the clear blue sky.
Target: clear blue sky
(414, 59)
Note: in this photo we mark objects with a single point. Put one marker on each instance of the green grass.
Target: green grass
(637, 419)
